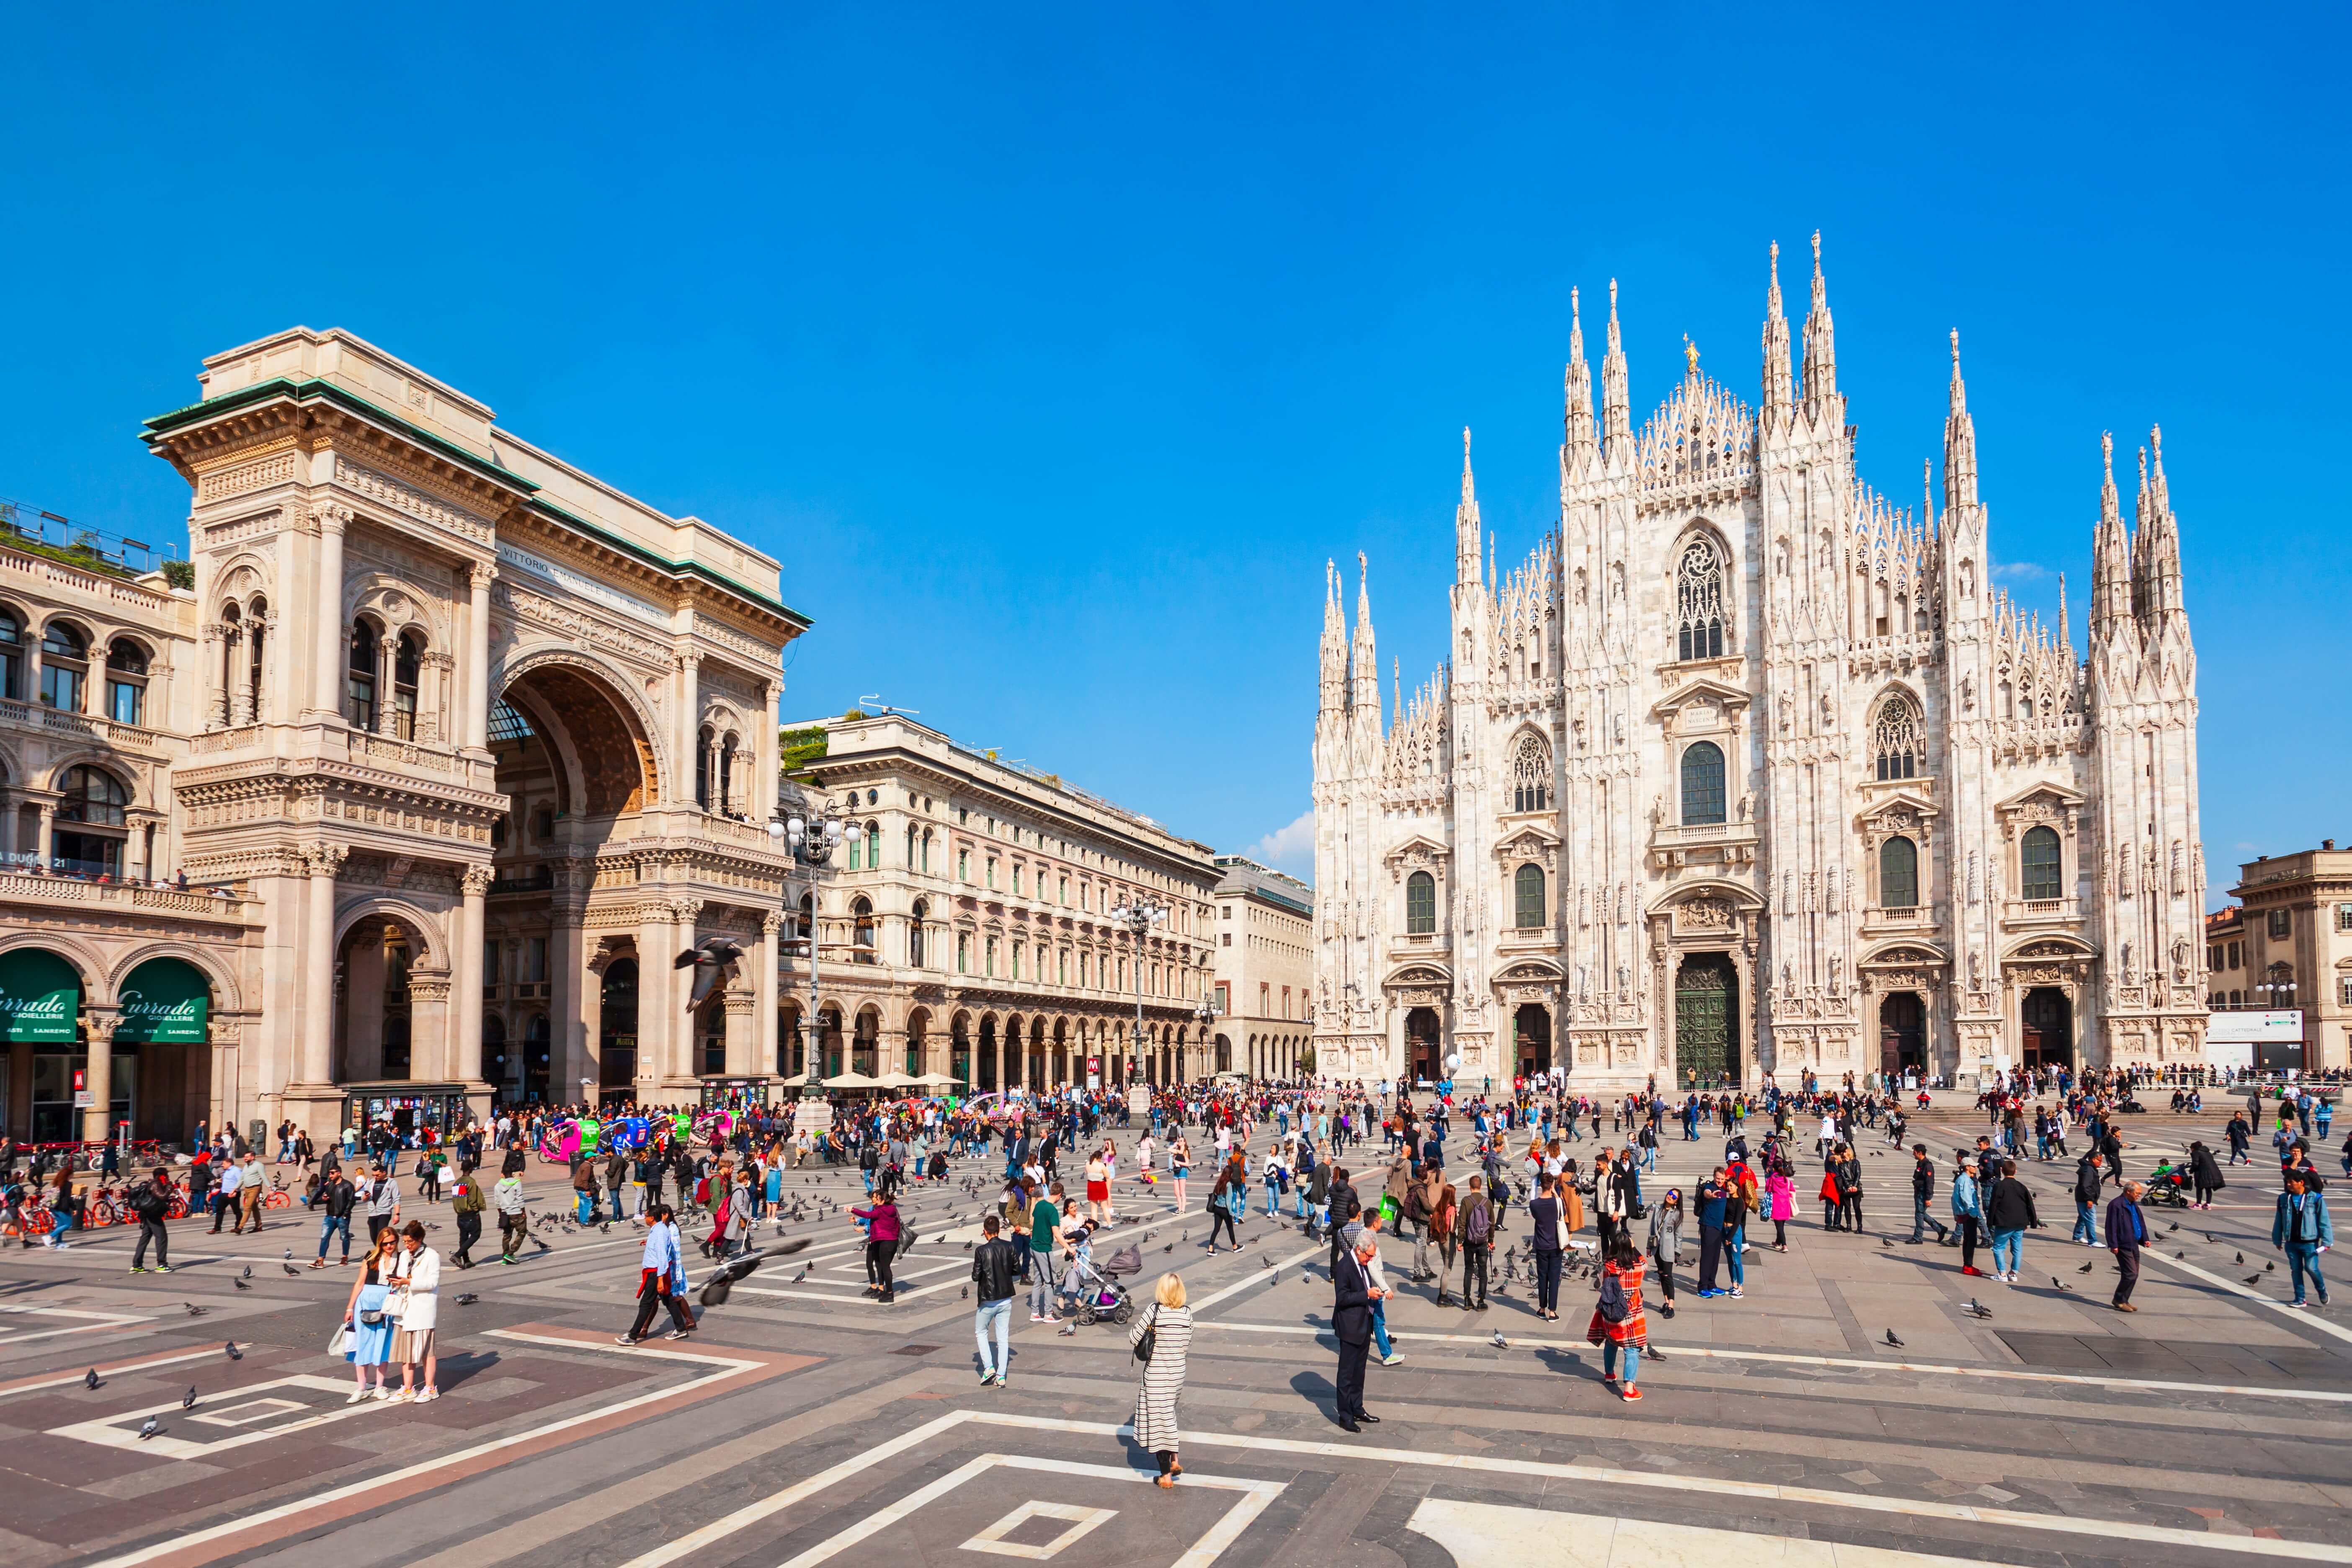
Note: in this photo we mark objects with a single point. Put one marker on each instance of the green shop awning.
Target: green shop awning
(40, 997)
(164, 1002)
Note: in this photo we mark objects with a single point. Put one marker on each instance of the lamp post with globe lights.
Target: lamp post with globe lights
(1208, 1015)
(1140, 918)
(811, 843)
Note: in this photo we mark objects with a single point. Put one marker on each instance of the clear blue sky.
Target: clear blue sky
(1055, 349)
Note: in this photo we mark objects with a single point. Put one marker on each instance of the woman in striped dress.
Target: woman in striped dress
(1630, 1333)
(1170, 1323)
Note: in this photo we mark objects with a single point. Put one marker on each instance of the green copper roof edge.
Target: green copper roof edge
(262, 392)
(303, 391)
(676, 568)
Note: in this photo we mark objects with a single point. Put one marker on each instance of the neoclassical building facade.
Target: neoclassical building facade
(456, 746)
(968, 923)
(1748, 771)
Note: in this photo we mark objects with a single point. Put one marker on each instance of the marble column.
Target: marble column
(765, 1060)
(465, 1058)
(318, 1024)
(327, 691)
(98, 1028)
(742, 1033)
(477, 732)
(572, 994)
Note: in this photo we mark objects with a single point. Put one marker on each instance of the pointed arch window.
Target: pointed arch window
(1896, 748)
(1699, 613)
(2038, 865)
(1898, 874)
(1702, 785)
(1530, 774)
(1527, 896)
(1420, 904)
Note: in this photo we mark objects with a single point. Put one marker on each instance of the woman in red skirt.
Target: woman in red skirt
(1631, 1331)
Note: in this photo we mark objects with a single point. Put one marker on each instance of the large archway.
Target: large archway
(1531, 1039)
(2048, 1031)
(1707, 1022)
(616, 1042)
(1902, 1033)
(1424, 1046)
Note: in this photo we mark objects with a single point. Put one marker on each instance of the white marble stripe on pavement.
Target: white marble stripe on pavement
(1670, 1352)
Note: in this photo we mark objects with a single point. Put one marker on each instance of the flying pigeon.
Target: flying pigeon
(235, 1353)
(709, 959)
(149, 1427)
(188, 1400)
(91, 1380)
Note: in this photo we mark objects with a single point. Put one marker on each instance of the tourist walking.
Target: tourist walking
(2009, 1211)
(1162, 1339)
(416, 1300)
(2301, 1228)
(1667, 1245)
(1618, 1323)
(151, 1201)
(1353, 1296)
(367, 1324)
(994, 1266)
(1967, 1213)
(1549, 1236)
(661, 1277)
(2126, 1234)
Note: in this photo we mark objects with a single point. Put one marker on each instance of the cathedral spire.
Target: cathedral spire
(1616, 407)
(1820, 343)
(1776, 348)
(1928, 501)
(2065, 621)
(1335, 642)
(1465, 521)
(2160, 538)
(2111, 575)
(1577, 440)
(1363, 662)
(1959, 444)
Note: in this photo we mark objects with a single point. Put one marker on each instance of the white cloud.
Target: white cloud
(2020, 572)
(1290, 849)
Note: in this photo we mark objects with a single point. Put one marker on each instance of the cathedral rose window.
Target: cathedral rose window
(1895, 744)
(1699, 602)
(1530, 775)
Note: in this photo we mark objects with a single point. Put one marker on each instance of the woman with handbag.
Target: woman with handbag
(416, 1301)
(367, 1327)
(1161, 1340)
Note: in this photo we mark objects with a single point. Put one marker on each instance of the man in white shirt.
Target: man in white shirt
(224, 1195)
(382, 1195)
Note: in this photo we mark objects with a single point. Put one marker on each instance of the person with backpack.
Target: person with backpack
(151, 1201)
(467, 1201)
(1618, 1322)
(1475, 1232)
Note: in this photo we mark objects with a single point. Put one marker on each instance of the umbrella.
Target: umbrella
(851, 1081)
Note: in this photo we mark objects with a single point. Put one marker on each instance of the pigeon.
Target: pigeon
(1499, 1342)
(188, 1400)
(2242, 1260)
(709, 959)
(967, 1246)
(467, 1299)
(2173, 1227)
(240, 1284)
(248, 1272)
(195, 1310)
(1978, 1308)
(2059, 1283)
(2085, 1269)
(1884, 1242)
(290, 1269)
(2253, 1278)
(235, 1353)
(1893, 1341)
(2270, 1266)
(967, 1294)
(2182, 1256)
(89, 1380)
(287, 1254)
(1169, 1248)
(1067, 1330)
(802, 1275)
(149, 1427)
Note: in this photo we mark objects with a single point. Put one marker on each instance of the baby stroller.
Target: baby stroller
(2167, 1186)
(1101, 1297)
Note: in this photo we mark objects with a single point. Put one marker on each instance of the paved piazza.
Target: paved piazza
(805, 1425)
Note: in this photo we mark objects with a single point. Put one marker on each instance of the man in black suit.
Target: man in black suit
(1351, 1322)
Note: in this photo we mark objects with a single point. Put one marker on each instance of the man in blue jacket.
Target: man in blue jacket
(2301, 1228)
(2126, 1234)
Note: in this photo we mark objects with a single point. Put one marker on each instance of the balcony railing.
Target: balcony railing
(33, 886)
(80, 726)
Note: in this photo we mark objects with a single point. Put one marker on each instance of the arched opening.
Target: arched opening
(830, 1040)
(1707, 1022)
(2047, 1017)
(12, 654)
(501, 1067)
(1037, 1053)
(377, 1025)
(1703, 793)
(1898, 874)
(162, 1036)
(1531, 1038)
(1224, 1054)
(65, 666)
(407, 670)
(1424, 1047)
(91, 824)
(1061, 1051)
(710, 1035)
(126, 682)
(616, 1031)
(1420, 904)
(40, 1022)
(1013, 1050)
(602, 763)
(987, 1054)
(917, 1047)
(360, 699)
(2039, 874)
(861, 915)
(960, 1049)
(537, 1061)
(1903, 1034)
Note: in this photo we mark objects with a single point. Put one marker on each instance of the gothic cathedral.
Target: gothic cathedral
(1747, 772)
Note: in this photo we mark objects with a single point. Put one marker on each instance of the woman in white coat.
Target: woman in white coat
(416, 1292)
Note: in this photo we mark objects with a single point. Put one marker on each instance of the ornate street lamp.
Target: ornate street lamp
(812, 844)
(1140, 917)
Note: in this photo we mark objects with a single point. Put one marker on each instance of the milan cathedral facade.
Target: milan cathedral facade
(1746, 771)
